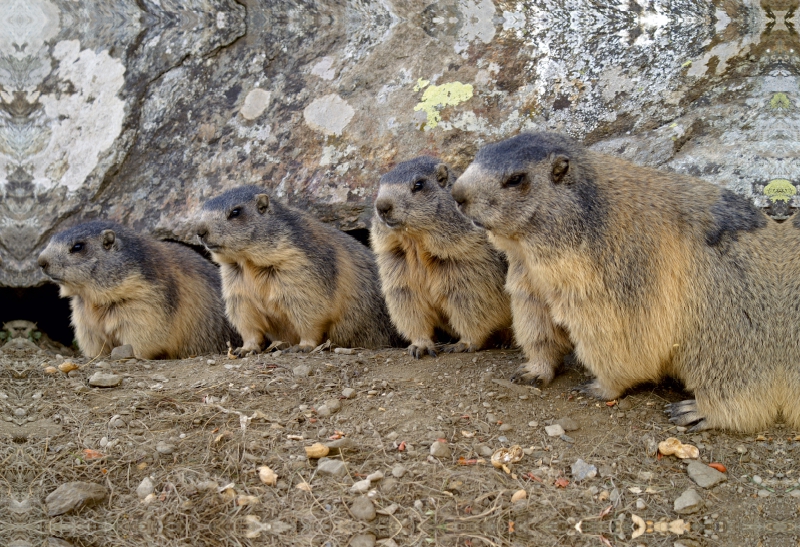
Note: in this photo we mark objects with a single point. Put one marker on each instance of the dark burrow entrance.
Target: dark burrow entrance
(40, 305)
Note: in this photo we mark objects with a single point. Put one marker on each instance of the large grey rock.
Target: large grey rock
(143, 121)
(73, 496)
(104, 379)
(335, 468)
(122, 352)
(703, 475)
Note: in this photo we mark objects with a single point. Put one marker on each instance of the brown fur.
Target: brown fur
(288, 277)
(649, 274)
(437, 269)
(161, 298)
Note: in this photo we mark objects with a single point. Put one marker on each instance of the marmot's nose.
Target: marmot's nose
(383, 207)
(459, 195)
(42, 261)
(202, 232)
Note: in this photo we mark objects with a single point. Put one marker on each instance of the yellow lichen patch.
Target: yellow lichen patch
(780, 190)
(780, 101)
(437, 97)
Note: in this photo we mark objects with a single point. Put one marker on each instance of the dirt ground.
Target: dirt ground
(201, 428)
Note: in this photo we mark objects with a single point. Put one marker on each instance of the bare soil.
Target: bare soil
(200, 428)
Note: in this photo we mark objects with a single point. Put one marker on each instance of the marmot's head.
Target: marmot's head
(243, 221)
(414, 194)
(534, 183)
(94, 258)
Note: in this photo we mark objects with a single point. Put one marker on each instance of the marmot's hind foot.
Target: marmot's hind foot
(685, 413)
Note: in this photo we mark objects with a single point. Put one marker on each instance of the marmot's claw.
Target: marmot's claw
(596, 390)
(418, 352)
(244, 352)
(533, 374)
(686, 413)
(460, 347)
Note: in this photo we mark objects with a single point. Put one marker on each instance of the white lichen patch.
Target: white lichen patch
(324, 68)
(329, 114)
(82, 124)
(255, 103)
(477, 23)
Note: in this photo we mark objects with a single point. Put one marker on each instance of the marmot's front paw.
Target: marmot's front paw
(686, 413)
(534, 373)
(419, 351)
(460, 347)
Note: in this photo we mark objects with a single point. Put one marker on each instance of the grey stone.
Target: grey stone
(363, 509)
(344, 351)
(689, 502)
(440, 450)
(398, 470)
(145, 488)
(340, 445)
(568, 424)
(362, 540)
(554, 430)
(703, 475)
(334, 405)
(360, 487)
(165, 448)
(348, 393)
(73, 496)
(334, 468)
(582, 471)
(484, 451)
(120, 353)
(302, 371)
(104, 379)
(764, 493)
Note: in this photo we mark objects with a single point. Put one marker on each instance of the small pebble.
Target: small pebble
(360, 487)
(101, 379)
(506, 427)
(211, 362)
(440, 450)
(145, 488)
(348, 393)
(398, 471)
(533, 424)
(640, 504)
(302, 371)
(363, 509)
(568, 424)
(554, 430)
(688, 502)
(764, 493)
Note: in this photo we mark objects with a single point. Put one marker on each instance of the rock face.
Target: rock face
(138, 111)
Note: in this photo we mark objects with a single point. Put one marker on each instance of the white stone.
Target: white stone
(329, 114)
(255, 103)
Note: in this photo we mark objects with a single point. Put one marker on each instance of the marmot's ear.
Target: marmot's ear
(442, 174)
(108, 237)
(262, 203)
(560, 168)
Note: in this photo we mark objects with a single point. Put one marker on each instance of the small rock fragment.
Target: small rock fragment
(363, 509)
(145, 488)
(763, 493)
(334, 468)
(344, 351)
(339, 445)
(165, 448)
(688, 502)
(348, 393)
(120, 353)
(582, 471)
(554, 430)
(568, 424)
(302, 371)
(703, 475)
(362, 540)
(398, 471)
(440, 450)
(376, 476)
(102, 379)
(484, 451)
(360, 487)
(640, 504)
(74, 495)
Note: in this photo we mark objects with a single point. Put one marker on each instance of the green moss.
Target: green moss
(780, 101)
(437, 97)
(780, 190)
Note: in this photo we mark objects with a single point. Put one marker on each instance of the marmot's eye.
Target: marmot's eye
(515, 180)
(78, 247)
(418, 185)
(234, 213)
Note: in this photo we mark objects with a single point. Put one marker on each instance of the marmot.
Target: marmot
(125, 288)
(650, 273)
(437, 269)
(291, 278)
